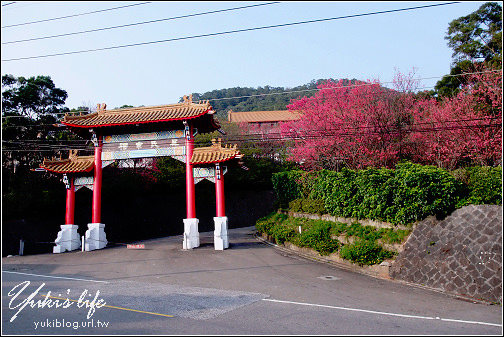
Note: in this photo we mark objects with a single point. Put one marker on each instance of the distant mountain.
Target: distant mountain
(256, 99)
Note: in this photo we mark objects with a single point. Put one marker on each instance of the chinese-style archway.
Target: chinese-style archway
(166, 130)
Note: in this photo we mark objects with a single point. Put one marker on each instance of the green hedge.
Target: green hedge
(403, 195)
(287, 186)
(313, 206)
(483, 185)
(317, 234)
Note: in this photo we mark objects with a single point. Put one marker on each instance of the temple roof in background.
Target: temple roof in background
(263, 116)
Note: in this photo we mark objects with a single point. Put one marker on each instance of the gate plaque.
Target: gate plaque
(142, 145)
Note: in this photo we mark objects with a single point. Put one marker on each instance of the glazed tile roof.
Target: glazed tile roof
(74, 164)
(263, 116)
(214, 154)
(153, 114)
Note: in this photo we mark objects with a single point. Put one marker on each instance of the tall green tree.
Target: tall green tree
(29, 113)
(477, 36)
(32, 97)
(475, 39)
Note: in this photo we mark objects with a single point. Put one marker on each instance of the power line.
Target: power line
(353, 86)
(74, 15)
(296, 91)
(229, 32)
(335, 130)
(141, 23)
(10, 3)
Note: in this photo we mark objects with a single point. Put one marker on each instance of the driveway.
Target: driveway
(250, 288)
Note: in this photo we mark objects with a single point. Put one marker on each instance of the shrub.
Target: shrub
(318, 237)
(286, 186)
(363, 232)
(390, 235)
(316, 234)
(307, 206)
(296, 205)
(404, 195)
(313, 206)
(484, 185)
(420, 191)
(365, 252)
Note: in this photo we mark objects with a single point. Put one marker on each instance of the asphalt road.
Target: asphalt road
(249, 289)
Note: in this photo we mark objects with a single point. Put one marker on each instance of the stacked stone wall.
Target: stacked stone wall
(461, 254)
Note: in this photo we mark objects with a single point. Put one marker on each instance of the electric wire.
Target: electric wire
(228, 32)
(141, 23)
(354, 86)
(300, 91)
(75, 15)
(342, 130)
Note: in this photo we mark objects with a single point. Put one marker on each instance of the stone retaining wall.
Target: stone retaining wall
(349, 221)
(461, 255)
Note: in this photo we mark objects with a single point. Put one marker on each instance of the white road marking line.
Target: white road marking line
(61, 277)
(382, 313)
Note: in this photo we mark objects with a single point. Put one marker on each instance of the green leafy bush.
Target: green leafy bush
(318, 237)
(483, 185)
(286, 186)
(307, 206)
(296, 205)
(420, 191)
(364, 232)
(365, 252)
(317, 234)
(408, 193)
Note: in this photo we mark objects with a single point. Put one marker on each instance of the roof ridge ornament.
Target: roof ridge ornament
(72, 155)
(187, 100)
(100, 108)
(216, 144)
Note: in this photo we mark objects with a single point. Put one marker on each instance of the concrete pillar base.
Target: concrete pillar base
(95, 237)
(67, 240)
(221, 240)
(191, 234)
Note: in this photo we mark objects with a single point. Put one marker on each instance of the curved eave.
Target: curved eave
(68, 166)
(67, 123)
(215, 161)
(67, 172)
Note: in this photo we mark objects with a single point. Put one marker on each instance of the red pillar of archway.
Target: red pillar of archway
(190, 190)
(221, 240)
(70, 202)
(191, 233)
(97, 184)
(219, 191)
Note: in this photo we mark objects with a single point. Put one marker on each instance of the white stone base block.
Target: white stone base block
(95, 237)
(191, 234)
(67, 240)
(221, 240)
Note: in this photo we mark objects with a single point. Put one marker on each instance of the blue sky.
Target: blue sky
(364, 47)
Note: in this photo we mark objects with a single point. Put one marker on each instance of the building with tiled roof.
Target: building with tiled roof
(262, 116)
(262, 123)
(134, 120)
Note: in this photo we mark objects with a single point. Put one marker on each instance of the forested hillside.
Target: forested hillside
(256, 99)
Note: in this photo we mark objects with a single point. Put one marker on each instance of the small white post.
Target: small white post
(21, 247)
